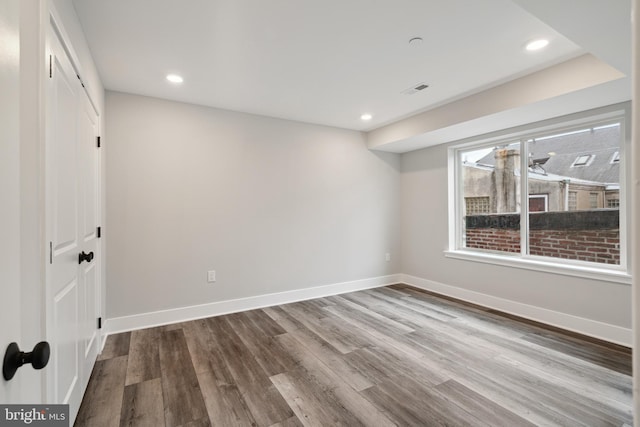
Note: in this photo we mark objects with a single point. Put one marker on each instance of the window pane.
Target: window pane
(491, 191)
(573, 200)
(538, 202)
(583, 187)
(613, 203)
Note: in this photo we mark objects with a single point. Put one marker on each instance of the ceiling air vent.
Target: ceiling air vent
(415, 88)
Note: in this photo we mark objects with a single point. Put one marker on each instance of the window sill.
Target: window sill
(576, 270)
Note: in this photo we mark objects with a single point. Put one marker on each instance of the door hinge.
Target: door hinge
(98, 139)
(50, 252)
(99, 322)
(98, 232)
(50, 66)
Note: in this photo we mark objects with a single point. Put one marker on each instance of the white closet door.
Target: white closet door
(72, 217)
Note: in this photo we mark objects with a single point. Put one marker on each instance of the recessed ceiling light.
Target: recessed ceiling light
(366, 117)
(416, 41)
(174, 78)
(537, 44)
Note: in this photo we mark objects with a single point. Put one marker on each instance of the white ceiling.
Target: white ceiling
(323, 62)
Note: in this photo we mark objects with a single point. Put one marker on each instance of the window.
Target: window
(572, 201)
(615, 158)
(582, 160)
(538, 202)
(477, 205)
(545, 204)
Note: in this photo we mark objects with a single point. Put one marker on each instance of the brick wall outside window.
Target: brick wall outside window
(592, 236)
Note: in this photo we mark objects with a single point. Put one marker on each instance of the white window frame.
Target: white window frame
(593, 118)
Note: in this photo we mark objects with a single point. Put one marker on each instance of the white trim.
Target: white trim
(633, 191)
(454, 178)
(523, 187)
(567, 268)
(182, 314)
(593, 328)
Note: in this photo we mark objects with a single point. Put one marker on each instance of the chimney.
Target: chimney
(505, 181)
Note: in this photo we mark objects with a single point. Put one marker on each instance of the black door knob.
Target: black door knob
(85, 257)
(14, 358)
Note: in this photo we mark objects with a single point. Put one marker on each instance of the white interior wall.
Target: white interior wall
(275, 206)
(424, 236)
(271, 205)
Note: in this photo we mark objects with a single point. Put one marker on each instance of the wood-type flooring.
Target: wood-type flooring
(382, 357)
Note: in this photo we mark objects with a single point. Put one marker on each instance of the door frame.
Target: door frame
(34, 14)
(10, 278)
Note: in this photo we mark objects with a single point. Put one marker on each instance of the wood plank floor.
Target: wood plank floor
(381, 357)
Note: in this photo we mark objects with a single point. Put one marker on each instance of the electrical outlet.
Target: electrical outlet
(387, 256)
(211, 276)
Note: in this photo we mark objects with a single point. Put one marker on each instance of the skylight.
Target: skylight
(616, 157)
(583, 160)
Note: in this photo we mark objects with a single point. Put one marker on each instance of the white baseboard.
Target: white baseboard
(593, 328)
(182, 314)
